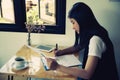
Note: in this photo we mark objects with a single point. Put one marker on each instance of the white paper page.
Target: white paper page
(68, 60)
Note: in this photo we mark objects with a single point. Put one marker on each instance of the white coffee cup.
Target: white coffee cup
(19, 62)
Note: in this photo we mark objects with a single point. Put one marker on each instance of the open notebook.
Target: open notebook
(65, 60)
(68, 60)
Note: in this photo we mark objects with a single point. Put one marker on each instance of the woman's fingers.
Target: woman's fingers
(52, 63)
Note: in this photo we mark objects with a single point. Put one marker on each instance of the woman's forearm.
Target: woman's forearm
(74, 71)
(69, 50)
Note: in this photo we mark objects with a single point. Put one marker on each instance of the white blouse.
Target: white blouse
(96, 46)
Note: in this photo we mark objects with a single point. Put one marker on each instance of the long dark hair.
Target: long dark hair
(87, 22)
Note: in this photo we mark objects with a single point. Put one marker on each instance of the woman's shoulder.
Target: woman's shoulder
(96, 38)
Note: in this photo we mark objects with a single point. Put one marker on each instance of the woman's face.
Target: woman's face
(76, 26)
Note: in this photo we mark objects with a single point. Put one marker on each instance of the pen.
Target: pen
(56, 47)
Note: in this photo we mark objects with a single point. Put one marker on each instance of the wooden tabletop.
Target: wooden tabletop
(35, 67)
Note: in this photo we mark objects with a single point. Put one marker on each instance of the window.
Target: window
(41, 12)
(50, 13)
(4, 10)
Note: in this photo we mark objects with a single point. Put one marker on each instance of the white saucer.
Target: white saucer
(19, 68)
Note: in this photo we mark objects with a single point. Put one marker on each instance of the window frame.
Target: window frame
(20, 19)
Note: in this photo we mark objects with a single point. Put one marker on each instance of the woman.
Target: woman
(99, 60)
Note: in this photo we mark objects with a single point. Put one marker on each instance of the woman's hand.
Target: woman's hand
(52, 64)
(65, 51)
(58, 52)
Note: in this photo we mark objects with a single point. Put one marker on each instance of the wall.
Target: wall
(107, 14)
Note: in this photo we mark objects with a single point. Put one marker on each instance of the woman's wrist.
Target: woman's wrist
(59, 53)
